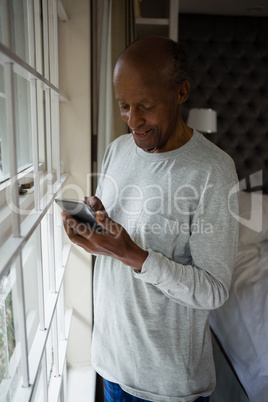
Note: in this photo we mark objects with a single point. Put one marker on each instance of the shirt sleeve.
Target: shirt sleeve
(203, 284)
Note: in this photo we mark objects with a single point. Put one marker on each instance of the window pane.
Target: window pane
(10, 352)
(4, 166)
(50, 358)
(41, 122)
(38, 387)
(45, 255)
(19, 28)
(23, 125)
(38, 23)
(1, 21)
(30, 258)
(9, 340)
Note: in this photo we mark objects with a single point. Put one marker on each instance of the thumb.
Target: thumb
(108, 224)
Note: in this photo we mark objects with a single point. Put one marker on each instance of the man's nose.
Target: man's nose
(135, 118)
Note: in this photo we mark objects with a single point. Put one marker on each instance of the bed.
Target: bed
(240, 326)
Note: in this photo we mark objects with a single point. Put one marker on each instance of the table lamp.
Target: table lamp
(203, 120)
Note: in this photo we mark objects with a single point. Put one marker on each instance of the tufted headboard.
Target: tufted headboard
(229, 73)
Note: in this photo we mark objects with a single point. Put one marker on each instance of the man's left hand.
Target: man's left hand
(114, 241)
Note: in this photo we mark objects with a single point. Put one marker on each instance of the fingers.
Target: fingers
(70, 232)
(82, 235)
(95, 203)
(66, 223)
(76, 227)
(65, 215)
(108, 224)
(74, 237)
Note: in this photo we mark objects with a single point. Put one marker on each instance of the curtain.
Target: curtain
(113, 28)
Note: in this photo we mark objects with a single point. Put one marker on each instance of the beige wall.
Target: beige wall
(74, 59)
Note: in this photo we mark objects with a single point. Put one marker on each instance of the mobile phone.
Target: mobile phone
(80, 211)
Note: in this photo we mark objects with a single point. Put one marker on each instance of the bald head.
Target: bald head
(150, 83)
(158, 55)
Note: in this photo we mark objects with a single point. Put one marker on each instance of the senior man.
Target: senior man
(167, 255)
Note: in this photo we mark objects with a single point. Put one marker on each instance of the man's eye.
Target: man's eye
(123, 107)
(148, 107)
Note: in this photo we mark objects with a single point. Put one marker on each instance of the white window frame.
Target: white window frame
(21, 217)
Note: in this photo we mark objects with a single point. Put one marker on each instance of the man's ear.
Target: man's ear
(183, 91)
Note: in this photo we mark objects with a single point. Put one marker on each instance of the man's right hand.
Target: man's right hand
(114, 242)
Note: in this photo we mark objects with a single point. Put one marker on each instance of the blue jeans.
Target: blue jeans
(114, 393)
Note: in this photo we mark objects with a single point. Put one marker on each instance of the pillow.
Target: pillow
(253, 217)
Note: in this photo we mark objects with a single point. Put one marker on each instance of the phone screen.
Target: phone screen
(80, 211)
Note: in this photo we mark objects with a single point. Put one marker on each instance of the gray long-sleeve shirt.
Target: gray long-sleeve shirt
(151, 332)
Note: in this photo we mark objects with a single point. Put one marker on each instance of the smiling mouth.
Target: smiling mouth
(141, 133)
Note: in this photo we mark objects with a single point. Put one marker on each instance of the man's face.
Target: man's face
(149, 105)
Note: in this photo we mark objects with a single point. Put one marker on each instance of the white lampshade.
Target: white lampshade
(203, 120)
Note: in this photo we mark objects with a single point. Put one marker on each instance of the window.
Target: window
(22, 116)
(16, 39)
(34, 323)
